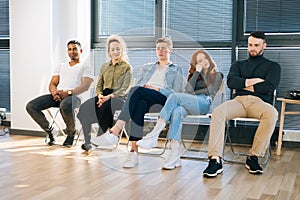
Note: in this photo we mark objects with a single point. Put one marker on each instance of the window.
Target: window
(200, 21)
(4, 19)
(4, 56)
(141, 22)
(276, 16)
(127, 18)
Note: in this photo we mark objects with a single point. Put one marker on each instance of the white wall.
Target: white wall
(39, 31)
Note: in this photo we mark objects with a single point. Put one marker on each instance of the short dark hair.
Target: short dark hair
(259, 34)
(74, 42)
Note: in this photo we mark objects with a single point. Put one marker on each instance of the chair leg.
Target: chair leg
(194, 150)
(227, 136)
(78, 136)
(55, 122)
(123, 131)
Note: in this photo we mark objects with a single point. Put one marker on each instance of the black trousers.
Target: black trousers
(90, 113)
(139, 102)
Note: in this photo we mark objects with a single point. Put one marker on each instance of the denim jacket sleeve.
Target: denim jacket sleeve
(175, 80)
(145, 73)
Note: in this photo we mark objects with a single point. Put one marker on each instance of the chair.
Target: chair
(4, 127)
(188, 120)
(202, 120)
(244, 120)
(54, 114)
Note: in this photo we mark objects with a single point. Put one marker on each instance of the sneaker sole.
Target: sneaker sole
(95, 143)
(146, 147)
(213, 175)
(254, 172)
(129, 166)
(110, 147)
(170, 168)
(68, 145)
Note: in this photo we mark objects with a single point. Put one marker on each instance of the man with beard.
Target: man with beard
(254, 81)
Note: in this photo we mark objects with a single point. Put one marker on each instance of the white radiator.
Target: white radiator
(291, 135)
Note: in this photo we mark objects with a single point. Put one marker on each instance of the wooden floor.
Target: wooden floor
(31, 170)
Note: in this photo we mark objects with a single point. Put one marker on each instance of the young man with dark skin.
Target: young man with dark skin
(69, 80)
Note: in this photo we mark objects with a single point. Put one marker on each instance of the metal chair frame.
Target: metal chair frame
(53, 119)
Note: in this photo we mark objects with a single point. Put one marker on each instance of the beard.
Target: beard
(255, 53)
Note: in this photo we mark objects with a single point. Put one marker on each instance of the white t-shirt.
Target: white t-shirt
(158, 79)
(70, 76)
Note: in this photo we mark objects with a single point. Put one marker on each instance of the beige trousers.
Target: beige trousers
(242, 106)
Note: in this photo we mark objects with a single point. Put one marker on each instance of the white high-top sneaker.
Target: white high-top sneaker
(174, 157)
(131, 161)
(148, 141)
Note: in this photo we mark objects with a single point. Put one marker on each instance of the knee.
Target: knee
(171, 96)
(218, 110)
(178, 113)
(133, 89)
(66, 108)
(30, 107)
(141, 106)
(273, 114)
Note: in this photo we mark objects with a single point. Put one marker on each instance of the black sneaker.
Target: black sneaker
(50, 136)
(87, 147)
(51, 139)
(253, 166)
(69, 141)
(214, 168)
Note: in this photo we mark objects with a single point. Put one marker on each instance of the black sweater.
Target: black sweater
(255, 67)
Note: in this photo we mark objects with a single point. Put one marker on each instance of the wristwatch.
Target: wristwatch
(69, 92)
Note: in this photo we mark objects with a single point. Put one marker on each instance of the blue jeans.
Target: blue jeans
(66, 106)
(140, 101)
(178, 106)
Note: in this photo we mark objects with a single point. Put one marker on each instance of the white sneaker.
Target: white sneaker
(173, 160)
(147, 142)
(131, 161)
(106, 139)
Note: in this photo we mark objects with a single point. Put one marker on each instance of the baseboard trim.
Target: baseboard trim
(27, 132)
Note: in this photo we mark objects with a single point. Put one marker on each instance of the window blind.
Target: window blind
(272, 16)
(4, 80)
(199, 20)
(4, 18)
(126, 18)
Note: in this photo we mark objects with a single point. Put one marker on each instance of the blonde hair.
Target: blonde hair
(166, 40)
(118, 39)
